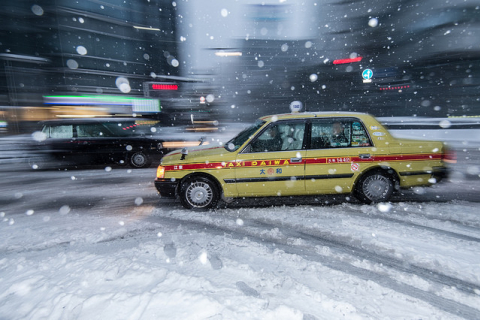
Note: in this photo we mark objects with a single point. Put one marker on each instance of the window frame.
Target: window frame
(49, 127)
(331, 120)
(292, 122)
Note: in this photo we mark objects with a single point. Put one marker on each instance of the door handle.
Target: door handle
(295, 160)
(365, 156)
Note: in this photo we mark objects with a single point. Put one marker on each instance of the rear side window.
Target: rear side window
(360, 136)
(58, 132)
(338, 133)
(93, 130)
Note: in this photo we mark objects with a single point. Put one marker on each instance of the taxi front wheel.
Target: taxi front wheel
(199, 193)
(374, 187)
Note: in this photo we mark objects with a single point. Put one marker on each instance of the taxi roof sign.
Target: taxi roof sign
(296, 106)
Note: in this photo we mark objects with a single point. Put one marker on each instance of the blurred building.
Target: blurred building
(207, 60)
(424, 57)
(80, 58)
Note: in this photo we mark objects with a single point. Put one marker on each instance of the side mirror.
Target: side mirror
(184, 153)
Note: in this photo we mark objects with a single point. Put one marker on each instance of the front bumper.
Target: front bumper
(166, 187)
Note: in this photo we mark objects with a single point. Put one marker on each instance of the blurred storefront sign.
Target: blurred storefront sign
(104, 104)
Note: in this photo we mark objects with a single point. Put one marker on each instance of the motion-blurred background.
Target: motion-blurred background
(207, 62)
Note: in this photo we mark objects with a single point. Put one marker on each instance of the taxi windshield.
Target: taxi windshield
(243, 136)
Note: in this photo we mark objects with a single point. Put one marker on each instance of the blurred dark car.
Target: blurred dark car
(133, 141)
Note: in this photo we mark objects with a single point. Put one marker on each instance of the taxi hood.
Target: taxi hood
(196, 154)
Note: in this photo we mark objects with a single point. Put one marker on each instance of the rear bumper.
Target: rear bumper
(440, 173)
(166, 187)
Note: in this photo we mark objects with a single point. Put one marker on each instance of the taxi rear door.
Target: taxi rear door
(332, 164)
(263, 170)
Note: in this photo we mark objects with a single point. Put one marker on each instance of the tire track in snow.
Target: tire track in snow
(390, 217)
(344, 246)
(474, 225)
(398, 219)
(309, 252)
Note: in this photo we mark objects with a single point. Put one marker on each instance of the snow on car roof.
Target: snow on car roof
(301, 115)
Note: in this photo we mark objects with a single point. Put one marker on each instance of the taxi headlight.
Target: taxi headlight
(160, 172)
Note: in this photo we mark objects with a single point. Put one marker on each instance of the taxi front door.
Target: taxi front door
(277, 172)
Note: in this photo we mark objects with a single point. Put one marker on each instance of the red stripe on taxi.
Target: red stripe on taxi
(284, 162)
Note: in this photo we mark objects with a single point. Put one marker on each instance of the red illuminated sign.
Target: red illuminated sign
(349, 60)
(164, 86)
(395, 88)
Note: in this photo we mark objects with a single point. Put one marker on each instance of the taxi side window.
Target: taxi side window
(58, 132)
(360, 137)
(329, 134)
(338, 133)
(293, 135)
(280, 137)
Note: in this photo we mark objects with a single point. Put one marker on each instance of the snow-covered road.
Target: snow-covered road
(99, 243)
(75, 248)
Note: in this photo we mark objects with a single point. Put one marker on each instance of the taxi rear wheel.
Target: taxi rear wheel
(140, 160)
(374, 187)
(199, 193)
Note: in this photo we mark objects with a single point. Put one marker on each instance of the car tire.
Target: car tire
(199, 193)
(140, 160)
(374, 187)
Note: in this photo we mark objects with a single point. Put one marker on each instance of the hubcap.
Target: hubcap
(138, 160)
(376, 187)
(199, 194)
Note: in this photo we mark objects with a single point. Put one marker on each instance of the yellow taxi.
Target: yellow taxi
(303, 154)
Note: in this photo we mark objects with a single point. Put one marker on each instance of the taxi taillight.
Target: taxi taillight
(449, 156)
(160, 172)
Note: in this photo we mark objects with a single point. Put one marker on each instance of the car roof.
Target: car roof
(306, 115)
(95, 120)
